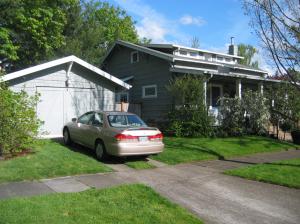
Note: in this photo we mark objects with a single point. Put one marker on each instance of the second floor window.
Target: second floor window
(150, 91)
(134, 57)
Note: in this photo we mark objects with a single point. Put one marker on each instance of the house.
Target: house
(68, 87)
(149, 68)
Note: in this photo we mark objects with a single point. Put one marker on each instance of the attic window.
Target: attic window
(193, 54)
(134, 57)
(183, 52)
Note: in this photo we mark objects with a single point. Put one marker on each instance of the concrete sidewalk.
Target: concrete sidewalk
(200, 187)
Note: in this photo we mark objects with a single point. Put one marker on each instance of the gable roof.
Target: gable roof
(68, 59)
(136, 47)
(173, 58)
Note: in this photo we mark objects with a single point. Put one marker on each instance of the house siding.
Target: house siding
(149, 70)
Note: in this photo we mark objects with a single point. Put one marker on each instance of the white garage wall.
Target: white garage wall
(64, 97)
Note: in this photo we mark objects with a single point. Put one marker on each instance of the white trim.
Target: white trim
(238, 88)
(210, 88)
(250, 69)
(60, 61)
(149, 96)
(176, 68)
(125, 79)
(131, 57)
(176, 58)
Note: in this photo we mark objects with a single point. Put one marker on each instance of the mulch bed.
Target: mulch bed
(24, 152)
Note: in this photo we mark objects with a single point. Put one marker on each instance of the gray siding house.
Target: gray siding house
(149, 68)
(68, 87)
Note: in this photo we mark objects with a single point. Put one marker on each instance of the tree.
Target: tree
(93, 27)
(195, 42)
(31, 31)
(189, 116)
(248, 52)
(277, 24)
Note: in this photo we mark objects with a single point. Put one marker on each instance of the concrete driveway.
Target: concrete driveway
(199, 187)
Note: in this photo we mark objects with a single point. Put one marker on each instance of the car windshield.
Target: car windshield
(125, 121)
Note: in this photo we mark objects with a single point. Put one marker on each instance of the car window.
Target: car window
(125, 121)
(84, 119)
(97, 120)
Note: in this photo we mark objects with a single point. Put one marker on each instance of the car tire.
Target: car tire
(66, 136)
(100, 151)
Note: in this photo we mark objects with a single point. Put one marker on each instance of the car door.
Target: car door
(81, 127)
(95, 126)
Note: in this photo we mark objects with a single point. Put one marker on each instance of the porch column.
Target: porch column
(205, 91)
(238, 88)
(261, 87)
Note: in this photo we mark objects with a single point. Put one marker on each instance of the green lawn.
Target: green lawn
(139, 165)
(178, 150)
(127, 204)
(285, 172)
(50, 159)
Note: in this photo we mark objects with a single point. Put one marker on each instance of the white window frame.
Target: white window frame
(131, 57)
(149, 96)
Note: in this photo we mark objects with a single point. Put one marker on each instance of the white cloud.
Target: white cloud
(190, 20)
(153, 24)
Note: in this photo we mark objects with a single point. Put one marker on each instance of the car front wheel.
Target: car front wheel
(100, 151)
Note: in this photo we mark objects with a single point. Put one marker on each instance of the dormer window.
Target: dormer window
(183, 52)
(193, 54)
(228, 60)
(134, 57)
(220, 58)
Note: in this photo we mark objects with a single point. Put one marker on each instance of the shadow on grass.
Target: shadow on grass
(197, 148)
(283, 164)
(90, 153)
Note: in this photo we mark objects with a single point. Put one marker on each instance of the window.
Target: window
(125, 121)
(84, 119)
(134, 57)
(97, 120)
(220, 58)
(122, 97)
(150, 91)
(228, 59)
(183, 52)
(193, 54)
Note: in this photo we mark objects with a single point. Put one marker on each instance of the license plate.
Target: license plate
(143, 139)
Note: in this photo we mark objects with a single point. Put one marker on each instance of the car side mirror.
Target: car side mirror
(74, 119)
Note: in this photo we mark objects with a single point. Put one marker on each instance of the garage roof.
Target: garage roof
(69, 59)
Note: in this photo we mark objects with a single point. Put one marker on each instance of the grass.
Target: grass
(139, 165)
(127, 204)
(285, 172)
(50, 159)
(179, 150)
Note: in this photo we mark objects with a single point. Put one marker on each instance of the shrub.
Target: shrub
(189, 117)
(249, 115)
(18, 121)
(231, 116)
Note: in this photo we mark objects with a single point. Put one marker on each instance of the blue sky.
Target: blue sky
(213, 22)
(177, 21)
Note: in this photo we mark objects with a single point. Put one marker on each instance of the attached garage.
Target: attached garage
(68, 87)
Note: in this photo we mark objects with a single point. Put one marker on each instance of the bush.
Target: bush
(189, 117)
(249, 115)
(18, 121)
(231, 117)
